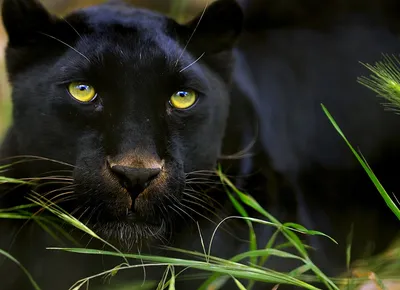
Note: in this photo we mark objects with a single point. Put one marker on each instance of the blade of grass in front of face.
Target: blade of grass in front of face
(300, 270)
(53, 208)
(260, 253)
(243, 213)
(24, 215)
(19, 207)
(11, 215)
(348, 247)
(389, 202)
(50, 232)
(4, 180)
(161, 284)
(7, 255)
(78, 284)
(172, 280)
(238, 284)
(59, 212)
(252, 235)
(269, 245)
(180, 273)
(46, 222)
(237, 258)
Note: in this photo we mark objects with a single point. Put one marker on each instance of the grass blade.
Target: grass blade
(389, 202)
(7, 255)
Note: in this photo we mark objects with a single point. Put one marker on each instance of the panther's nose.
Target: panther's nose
(132, 177)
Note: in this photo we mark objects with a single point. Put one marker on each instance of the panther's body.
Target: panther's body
(133, 157)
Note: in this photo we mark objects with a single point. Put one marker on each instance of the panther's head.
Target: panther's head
(130, 99)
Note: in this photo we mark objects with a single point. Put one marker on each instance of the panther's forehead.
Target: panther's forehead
(123, 19)
(126, 36)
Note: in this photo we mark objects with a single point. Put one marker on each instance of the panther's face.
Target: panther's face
(133, 101)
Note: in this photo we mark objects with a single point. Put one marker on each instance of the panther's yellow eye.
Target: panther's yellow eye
(183, 99)
(82, 92)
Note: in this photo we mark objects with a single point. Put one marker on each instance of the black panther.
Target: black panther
(127, 113)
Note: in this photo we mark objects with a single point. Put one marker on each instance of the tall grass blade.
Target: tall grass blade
(7, 255)
(389, 202)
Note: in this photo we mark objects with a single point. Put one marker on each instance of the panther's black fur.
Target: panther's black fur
(260, 79)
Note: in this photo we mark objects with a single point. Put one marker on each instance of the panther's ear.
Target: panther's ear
(24, 20)
(217, 27)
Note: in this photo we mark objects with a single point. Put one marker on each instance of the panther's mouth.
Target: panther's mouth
(130, 230)
(134, 218)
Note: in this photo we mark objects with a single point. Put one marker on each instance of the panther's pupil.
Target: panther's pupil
(182, 94)
(82, 88)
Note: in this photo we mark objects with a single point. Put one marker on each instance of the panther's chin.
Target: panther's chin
(126, 234)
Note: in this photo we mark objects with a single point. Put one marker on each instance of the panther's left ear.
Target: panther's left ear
(23, 19)
(217, 28)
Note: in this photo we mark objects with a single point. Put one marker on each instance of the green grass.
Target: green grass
(243, 273)
(220, 270)
(234, 268)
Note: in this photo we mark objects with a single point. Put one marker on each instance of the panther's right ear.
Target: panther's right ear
(24, 20)
(217, 28)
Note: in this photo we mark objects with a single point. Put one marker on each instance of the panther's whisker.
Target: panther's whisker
(206, 204)
(176, 211)
(36, 158)
(199, 214)
(212, 172)
(70, 25)
(59, 189)
(47, 178)
(192, 63)
(59, 171)
(202, 206)
(83, 213)
(204, 182)
(60, 195)
(195, 197)
(184, 212)
(209, 198)
(203, 175)
(53, 183)
(63, 200)
(200, 179)
(193, 33)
